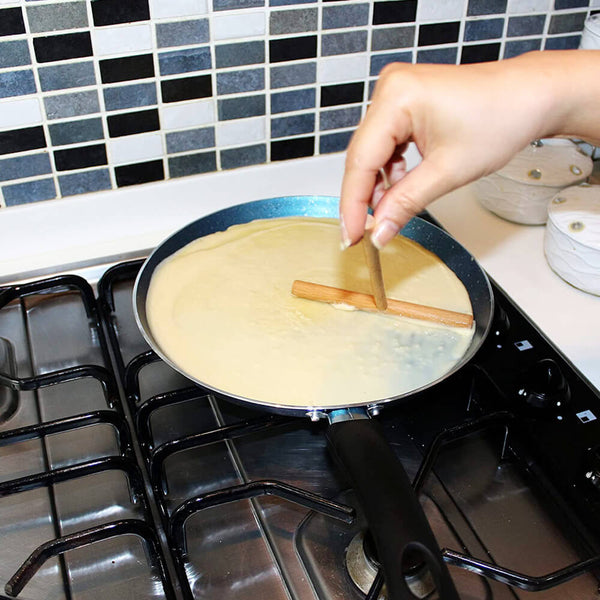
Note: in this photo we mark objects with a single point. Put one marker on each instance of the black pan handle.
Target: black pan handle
(396, 520)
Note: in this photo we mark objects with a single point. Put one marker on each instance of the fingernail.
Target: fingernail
(345, 243)
(384, 231)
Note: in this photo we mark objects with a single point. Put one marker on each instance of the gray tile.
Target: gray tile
(232, 82)
(339, 16)
(340, 118)
(72, 105)
(438, 56)
(84, 181)
(293, 74)
(562, 4)
(378, 61)
(14, 53)
(130, 96)
(293, 100)
(566, 23)
(182, 33)
(486, 7)
(192, 139)
(294, 125)
(483, 29)
(521, 46)
(29, 165)
(347, 42)
(243, 157)
(17, 83)
(29, 191)
(392, 38)
(73, 132)
(233, 4)
(290, 2)
(191, 164)
(245, 53)
(184, 61)
(334, 142)
(240, 108)
(526, 25)
(569, 42)
(60, 77)
(57, 16)
(293, 21)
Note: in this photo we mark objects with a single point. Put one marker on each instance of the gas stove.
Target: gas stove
(119, 478)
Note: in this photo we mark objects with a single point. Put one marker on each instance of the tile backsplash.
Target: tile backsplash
(103, 94)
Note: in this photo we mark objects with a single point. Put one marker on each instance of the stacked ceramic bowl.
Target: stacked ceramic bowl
(520, 191)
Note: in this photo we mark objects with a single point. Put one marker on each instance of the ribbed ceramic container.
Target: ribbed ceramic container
(521, 190)
(572, 236)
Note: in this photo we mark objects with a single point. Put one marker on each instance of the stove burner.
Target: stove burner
(363, 565)
(9, 400)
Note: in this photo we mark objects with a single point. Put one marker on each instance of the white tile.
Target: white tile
(245, 131)
(338, 69)
(19, 113)
(13, 2)
(121, 39)
(134, 148)
(163, 9)
(527, 6)
(434, 10)
(226, 27)
(180, 116)
(594, 3)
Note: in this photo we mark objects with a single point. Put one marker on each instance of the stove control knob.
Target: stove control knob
(545, 386)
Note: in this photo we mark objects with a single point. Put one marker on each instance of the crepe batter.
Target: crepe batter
(222, 310)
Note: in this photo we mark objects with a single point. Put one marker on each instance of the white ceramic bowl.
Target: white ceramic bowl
(572, 236)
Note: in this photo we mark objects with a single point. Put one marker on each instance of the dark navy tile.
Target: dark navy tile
(438, 56)
(57, 16)
(115, 70)
(184, 61)
(569, 42)
(62, 47)
(344, 93)
(234, 158)
(64, 76)
(480, 53)
(234, 4)
(182, 33)
(526, 25)
(232, 82)
(29, 191)
(378, 61)
(486, 7)
(192, 164)
(186, 88)
(340, 16)
(392, 38)
(29, 165)
(562, 4)
(241, 107)
(133, 122)
(483, 29)
(130, 96)
(340, 118)
(21, 140)
(113, 12)
(244, 53)
(518, 47)
(566, 23)
(293, 21)
(293, 100)
(14, 53)
(80, 158)
(11, 21)
(296, 48)
(294, 74)
(439, 33)
(191, 139)
(334, 142)
(72, 105)
(396, 11)
(17, 83)
(74, 132)
(139, 173)
(294, 148)
(346, 42)
(84, 182)
(294, 125)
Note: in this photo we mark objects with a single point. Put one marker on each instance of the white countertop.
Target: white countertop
(66, 234)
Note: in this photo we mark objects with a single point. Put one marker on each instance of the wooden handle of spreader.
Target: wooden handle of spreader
(332, 295)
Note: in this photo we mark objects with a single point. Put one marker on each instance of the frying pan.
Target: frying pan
(402, 536)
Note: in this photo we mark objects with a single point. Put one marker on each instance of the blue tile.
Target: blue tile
(527, 25)
(293, 100)
(233, 82)
(241, 107)
(59, 77)
(30, 191)
(184, 61)
(294, 125)
(521, 46)
(340, 118)
(73, 132)
(243, 157)
(444, 56)
(192, 164)
(484, 29)
(192, 139)
(17, 83)
(486, 7)
(130, 96)
(289, 2)
(378, 61)
(561, 4)
(182, 33)
(570, 42)
(340, 15)
(334, 142)
(293, 74)
(84, 181)
(20, 167)
(14, 53)
(234, 4)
